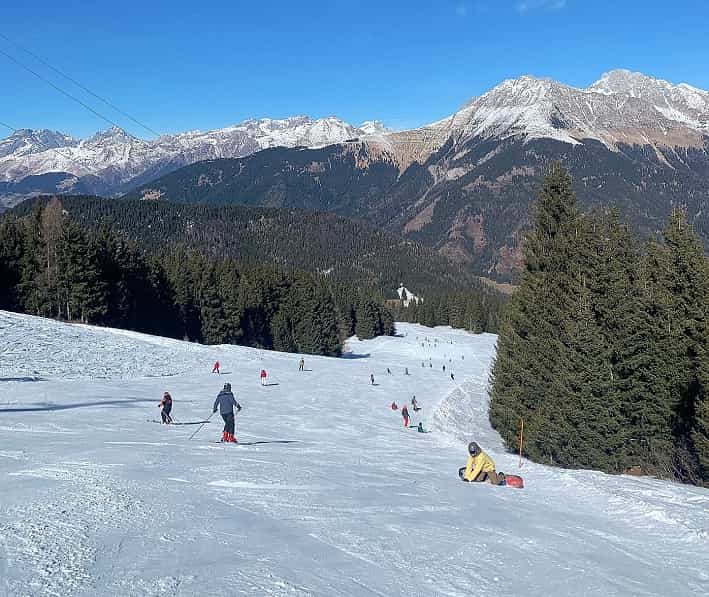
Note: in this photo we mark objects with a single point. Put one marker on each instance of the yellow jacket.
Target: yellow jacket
(481, 463)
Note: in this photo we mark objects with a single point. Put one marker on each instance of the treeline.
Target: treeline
(476, 312)
(603, 349)
(53, 267)
(346, 250)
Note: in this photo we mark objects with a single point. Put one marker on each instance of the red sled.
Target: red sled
(514, 481)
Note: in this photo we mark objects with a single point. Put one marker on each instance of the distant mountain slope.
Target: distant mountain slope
(470, 201)
(344, 249)
(117, 158)
(462, 185)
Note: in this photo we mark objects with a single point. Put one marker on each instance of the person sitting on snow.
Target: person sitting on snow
(394, 406)
(480, 467)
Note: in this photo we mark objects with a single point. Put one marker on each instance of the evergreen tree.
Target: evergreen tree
(11, 242)
(530, 379)
(680, 283)
(700, 427)
(80, 291)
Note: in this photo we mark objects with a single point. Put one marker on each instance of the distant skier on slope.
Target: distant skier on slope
(215, 369)
(371, 378)
(480, 467)
(165, 408)
(226, 403)
(405, 415)
(263, 377)
(301, 364)
(394, 406)
(415, 404)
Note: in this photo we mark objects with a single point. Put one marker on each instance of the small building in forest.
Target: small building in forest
(405, 298)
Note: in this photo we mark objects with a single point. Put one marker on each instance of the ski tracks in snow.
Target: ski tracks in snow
(52, 540)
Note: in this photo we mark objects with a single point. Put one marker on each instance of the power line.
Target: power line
(80, 85)
(60, 90)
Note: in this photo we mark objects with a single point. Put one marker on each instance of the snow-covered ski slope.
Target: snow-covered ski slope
(97, 500)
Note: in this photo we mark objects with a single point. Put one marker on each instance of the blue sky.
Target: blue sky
(198, 65)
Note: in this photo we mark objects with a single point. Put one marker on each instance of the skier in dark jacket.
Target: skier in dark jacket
(225, 402)
(166, 408)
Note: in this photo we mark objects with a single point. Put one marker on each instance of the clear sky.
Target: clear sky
(205, 64)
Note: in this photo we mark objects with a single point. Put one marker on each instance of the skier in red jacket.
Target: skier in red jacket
(263, 377)
(215, 369)
(405, 414)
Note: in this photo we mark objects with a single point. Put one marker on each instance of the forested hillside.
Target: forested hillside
(604, 350)
(343, 249)
(55, 266)
(470, 200)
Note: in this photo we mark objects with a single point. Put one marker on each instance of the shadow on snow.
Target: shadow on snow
(46, 406)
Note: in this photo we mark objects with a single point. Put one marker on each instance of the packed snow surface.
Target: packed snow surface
(327, 495)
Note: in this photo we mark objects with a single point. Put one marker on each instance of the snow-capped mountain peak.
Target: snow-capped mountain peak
(111, 136)
(622, 107)
(27, 141)
(373, 127)
(122, 156)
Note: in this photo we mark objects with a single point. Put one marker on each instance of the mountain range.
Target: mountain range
(112, 161)
(463, 185)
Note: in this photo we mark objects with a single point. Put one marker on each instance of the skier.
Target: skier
(420, 428)
(415, 405)
(388, 371)
(371, 378)
(452, 378)
(406, 370)
(394, 406)
(480, 467)
(263, 377)
(166, 406)
(301, 365)
(215, 369)
(405, 414)
(225, 402)
(444, 368)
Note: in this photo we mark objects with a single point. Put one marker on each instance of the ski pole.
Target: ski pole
(202, 425)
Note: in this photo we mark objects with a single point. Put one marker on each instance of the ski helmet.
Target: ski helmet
(473, 449)
(227, 387)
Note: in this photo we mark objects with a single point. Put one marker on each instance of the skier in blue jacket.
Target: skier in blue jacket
(226, 403)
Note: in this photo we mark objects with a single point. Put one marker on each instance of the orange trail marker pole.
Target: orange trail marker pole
(521, 441)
